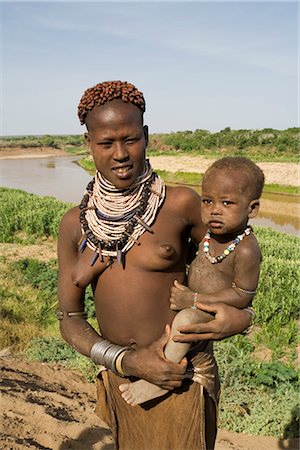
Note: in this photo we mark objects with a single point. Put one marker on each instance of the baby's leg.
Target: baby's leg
(141, 391)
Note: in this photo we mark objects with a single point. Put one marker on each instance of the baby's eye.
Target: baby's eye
(227, 202)
(206, 201)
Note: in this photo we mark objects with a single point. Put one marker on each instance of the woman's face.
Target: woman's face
(117, 140)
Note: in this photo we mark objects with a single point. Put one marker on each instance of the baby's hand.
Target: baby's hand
(181, 297)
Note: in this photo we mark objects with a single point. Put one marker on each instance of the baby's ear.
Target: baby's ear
(253, 208)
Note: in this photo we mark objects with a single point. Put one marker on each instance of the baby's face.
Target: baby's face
(225, 205)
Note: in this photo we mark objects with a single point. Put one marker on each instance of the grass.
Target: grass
(26, 217)
(258, 371)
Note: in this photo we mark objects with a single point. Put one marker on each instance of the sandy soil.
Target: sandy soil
(278, 173)
(44, 406)
(275, 173)
(30, 152)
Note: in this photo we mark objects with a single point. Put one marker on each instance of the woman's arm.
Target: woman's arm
(75, 330)
(227, 322)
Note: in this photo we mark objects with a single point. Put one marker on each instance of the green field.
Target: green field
(258, 371)
(260, 145)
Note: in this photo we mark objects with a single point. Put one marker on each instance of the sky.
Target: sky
(201, 65)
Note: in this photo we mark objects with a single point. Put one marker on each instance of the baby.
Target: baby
(226, 268)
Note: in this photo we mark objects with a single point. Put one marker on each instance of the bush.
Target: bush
(27, 217)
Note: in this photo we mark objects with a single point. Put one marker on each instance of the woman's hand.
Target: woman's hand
(227, 322)
(150, 364)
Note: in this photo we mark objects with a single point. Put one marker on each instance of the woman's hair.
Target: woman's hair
(105, 92)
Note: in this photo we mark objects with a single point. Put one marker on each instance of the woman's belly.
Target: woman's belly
(133, 305)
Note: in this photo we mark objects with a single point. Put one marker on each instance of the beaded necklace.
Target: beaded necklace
(227, 251)
(112, 220)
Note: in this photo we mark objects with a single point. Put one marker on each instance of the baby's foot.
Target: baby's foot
(140, 391)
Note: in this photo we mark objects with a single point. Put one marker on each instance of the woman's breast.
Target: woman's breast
(132, 301)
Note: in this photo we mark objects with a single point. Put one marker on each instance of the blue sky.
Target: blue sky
(200, 64)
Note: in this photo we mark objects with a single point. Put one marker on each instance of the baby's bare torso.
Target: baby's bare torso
(207, 277)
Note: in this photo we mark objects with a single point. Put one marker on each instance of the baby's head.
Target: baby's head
(231, 189)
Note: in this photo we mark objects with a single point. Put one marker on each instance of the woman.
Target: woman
(129, 239)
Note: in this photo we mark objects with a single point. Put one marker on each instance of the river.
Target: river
(62, 178)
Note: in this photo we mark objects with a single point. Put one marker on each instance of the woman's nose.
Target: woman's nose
(120, 151)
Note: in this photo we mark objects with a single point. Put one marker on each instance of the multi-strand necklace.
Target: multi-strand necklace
(228, 249)
(112, 220)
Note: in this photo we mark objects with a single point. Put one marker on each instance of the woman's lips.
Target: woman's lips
(123, 172)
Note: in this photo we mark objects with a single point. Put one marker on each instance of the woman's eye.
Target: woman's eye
(105, 144)
(130, 141)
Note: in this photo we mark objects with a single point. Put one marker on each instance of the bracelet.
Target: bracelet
(76, 315)
(194, 301)
(250, 310)
(118, 365)
(243, 290)
(105, 353)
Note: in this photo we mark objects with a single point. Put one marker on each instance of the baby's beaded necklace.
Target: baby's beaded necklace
(228, 249)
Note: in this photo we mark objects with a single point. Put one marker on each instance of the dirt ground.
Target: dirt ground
(44, 406)
(30, 152)
(277, 173)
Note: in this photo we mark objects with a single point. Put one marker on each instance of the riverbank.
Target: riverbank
(287, 174)
(47, 406)
(30, 152)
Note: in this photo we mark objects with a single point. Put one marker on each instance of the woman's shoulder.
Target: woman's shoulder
(183, 194)
(70, 220)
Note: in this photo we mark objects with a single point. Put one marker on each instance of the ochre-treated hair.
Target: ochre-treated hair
(105, 92)
(255, 174)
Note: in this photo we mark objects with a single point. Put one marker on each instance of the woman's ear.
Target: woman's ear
(145, 129)
(253, 208)
(88, 141)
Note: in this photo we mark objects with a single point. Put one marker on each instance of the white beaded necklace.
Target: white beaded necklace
(228, 249)
(112, 219)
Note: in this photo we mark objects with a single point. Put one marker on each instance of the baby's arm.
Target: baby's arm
(246, 273)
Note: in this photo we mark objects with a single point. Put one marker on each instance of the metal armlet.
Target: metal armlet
(74, 315)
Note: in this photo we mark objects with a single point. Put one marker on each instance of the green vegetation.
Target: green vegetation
(68, 142)
(267, 144)
(27, 217)
(262, 396)
(258, 371)
(260, 145)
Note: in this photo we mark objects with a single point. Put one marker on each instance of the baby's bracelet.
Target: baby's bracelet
(250, 310)
(194, 301)
(106, 353)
